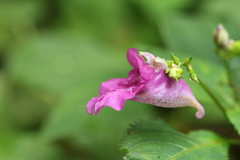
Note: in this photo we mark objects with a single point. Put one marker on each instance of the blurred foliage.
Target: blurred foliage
(55, 53)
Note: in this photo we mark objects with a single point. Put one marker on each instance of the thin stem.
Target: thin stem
(213, 97)
(230, 81)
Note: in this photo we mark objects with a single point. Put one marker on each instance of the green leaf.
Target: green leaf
(233, 116)
(233, 113)
(234, 69)
(154, 139)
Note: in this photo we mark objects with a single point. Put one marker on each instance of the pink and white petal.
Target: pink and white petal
(149, 57)
(133, 74)
(138, 62)
(114, 99)
(111, 85)
(200, 113)
(91, 105)
(132, 57)
(159, 62)
(135, 59)
(146, 72)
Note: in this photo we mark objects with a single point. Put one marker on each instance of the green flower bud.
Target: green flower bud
(221, 37)
(175, 59)
(234, 49)
(187, 61)
(175, 72)
(192, 75)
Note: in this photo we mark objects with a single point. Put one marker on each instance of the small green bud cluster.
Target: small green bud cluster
(225, 47)
(175, 71)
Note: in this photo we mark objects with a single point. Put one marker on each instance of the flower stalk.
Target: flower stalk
(227, 48)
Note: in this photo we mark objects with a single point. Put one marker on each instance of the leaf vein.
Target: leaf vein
(195, 147)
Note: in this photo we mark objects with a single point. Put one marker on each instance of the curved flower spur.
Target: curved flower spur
(153, 80)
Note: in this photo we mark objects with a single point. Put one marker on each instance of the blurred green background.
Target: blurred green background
(55, 53)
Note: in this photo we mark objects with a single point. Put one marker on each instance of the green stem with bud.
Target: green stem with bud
(227, 48)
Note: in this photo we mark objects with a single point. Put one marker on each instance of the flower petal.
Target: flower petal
(132, 57)
(138, 62)
(111, 85)
(91, 105)
(158, 62)
(149, 57)
(114, 99)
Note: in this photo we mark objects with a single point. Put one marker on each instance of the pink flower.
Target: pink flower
(146, 83)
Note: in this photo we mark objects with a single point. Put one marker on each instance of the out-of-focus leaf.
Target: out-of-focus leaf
(153, 8)
(221, 9)
(101, 18)
(17, 20)
(153, 139)
(57, 62)
(190, 35)
(17, 10)
(233, 115)
(26, 109)
(95, 134)
(234, 64)
(26, 146)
